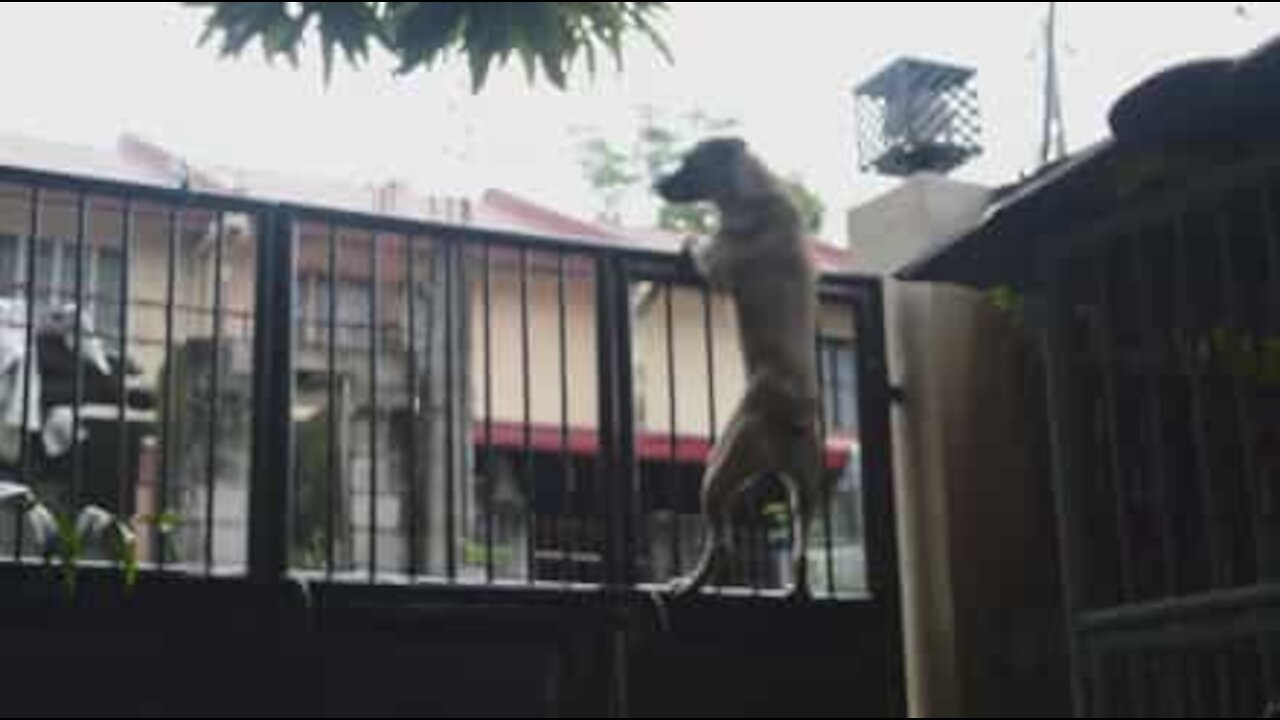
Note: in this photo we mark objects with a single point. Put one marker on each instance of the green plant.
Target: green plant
(545, 36)
(1010, 302)
(166, 525)
(68, 536)
(477, 553)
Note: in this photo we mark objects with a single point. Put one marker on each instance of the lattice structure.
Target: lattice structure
(918, 116)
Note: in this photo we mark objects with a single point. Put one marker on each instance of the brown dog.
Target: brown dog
(761, 259)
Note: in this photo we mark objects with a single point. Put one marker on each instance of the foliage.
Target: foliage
(547, 37)
(618, 173)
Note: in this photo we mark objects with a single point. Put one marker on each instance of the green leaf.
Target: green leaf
(69, 552)
(550, 35)
(165, 522)
(420, 33)
(125, 544)
(344, 26)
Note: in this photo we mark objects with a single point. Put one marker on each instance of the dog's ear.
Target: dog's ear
(747, 177)
(720, 150)
(732, 146)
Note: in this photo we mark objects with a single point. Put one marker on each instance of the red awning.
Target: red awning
(649, 446)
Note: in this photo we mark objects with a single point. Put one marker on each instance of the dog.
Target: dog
(761, 258)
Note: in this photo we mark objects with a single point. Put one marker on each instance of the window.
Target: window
(353, 308)
(56, 276)
(11, 270)
(839, 369)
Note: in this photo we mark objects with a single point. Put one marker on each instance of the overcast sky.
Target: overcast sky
(83, 73)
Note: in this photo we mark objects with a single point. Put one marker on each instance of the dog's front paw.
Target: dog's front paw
(689, 254)
(683, 587)
(799, 593)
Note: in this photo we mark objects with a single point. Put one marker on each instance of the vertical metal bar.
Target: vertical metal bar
(872, 415)
(1065, 424)
(1111, 428)
(566, 457)
(709, 343)
(215, 388)
(1154, 439)
(332, 470)
(1271, 235)
(1109, 367)
(608, 469)
(1139, 685)
(452, 414)
(1246, 428)
(273, 363)
(750, 554)
(824, 400)
(616, 417)
(1246, 431)
(1267, 560)
(629, 535)
(1100, 704)
(1222, 698)
(78, 376)
(709, 347)
(125, 503)
(415, 408)
(1218, 559)
(375, 283)
(1194, 681)
(526, 385)
(29, 346)
(169, 435)
(306, 326)
(426, 384)
(489, 465)
(674, 436)
(1186, 681)
(1174, 702)
(1175, 678)
(828, 494)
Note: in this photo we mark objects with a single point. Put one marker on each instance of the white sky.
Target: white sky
(83, 73)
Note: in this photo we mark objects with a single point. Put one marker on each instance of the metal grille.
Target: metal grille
(918, 115)
(1165, 366)
(365, 400)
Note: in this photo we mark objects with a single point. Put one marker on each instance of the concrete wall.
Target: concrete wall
(975, 517)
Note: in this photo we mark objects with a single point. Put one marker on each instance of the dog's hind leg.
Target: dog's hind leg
(804, 483)
(740, 457)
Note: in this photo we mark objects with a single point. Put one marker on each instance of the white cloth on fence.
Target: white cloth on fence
(19, 406)
(57, 434)
(62, 321)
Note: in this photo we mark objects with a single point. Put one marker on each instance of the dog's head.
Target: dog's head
(709, 171)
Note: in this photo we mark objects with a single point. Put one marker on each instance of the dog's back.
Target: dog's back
(774, 288)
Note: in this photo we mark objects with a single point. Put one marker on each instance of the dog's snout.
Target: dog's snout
(675, 188)
(664, 186)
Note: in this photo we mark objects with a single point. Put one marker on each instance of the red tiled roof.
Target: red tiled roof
(507, 211)
(138, 160)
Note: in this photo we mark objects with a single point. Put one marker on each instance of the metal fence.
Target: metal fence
(1164, 371)
(269, 389)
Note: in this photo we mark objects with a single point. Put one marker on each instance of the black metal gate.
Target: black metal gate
(1163, 354)
(465, 456)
